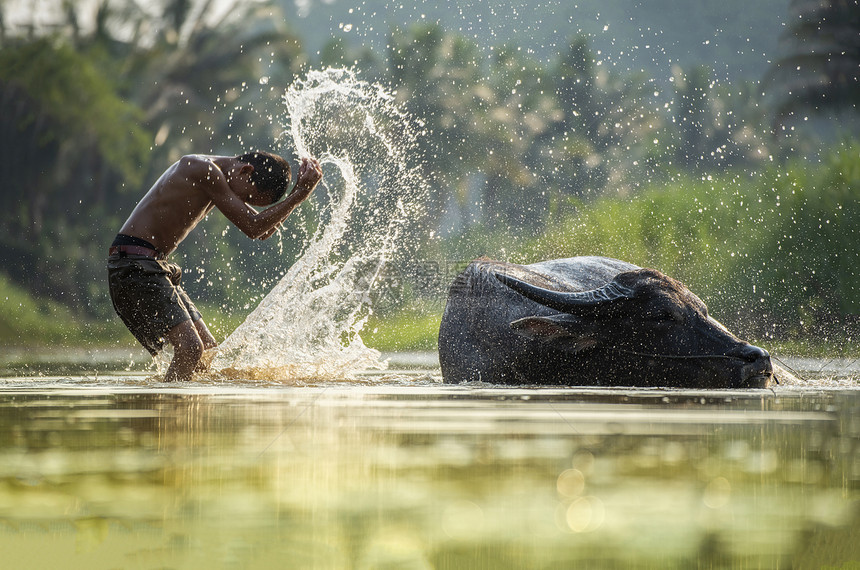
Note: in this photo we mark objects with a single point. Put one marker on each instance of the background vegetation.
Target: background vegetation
(740, 179)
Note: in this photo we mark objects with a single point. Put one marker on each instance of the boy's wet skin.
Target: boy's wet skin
(145, 289)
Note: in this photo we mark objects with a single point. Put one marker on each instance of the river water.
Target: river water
(108, 469)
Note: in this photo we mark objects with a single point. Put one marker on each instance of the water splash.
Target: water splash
(372, 192)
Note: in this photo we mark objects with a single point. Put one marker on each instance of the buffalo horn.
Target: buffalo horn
(564, 301)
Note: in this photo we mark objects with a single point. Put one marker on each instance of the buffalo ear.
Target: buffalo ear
(556, 329)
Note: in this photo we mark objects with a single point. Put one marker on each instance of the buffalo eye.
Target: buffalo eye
(668, 317)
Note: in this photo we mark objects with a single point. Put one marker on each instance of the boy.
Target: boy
(145, 288)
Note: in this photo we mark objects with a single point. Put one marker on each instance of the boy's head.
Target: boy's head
(271, 175)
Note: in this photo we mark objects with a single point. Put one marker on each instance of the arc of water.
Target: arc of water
(309, 323)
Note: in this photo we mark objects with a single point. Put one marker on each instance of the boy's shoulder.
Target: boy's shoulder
(195, 162)
(196, 167)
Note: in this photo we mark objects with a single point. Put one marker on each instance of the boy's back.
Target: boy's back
(173, 206)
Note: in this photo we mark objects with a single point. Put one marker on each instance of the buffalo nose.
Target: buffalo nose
(750, 353)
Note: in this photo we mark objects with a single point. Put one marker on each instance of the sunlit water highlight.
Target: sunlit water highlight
(308, 326)
(107, 469)
(121, 472)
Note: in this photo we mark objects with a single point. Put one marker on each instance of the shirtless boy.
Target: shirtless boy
(145, 288)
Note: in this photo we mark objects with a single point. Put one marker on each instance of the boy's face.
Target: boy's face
(242, 185)
(258, 199)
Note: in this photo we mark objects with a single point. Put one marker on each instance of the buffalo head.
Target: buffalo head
(639, 328)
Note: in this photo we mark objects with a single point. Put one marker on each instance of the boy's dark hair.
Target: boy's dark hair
(271, 173)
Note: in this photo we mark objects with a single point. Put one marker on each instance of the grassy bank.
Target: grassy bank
(409, 329)
(26, 320)
(29, 321)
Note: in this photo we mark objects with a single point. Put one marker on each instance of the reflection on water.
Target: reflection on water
(406, 473)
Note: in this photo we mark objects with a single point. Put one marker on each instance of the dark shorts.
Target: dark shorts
(148, 297)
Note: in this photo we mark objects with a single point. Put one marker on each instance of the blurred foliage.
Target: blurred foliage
(773, 253)
(528, 157)
(732, 35)
(823, 69)
(29, 320)
(92, 118)
(410, 329)
(71, 144)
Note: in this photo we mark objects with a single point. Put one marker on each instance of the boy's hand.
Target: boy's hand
(310, 173)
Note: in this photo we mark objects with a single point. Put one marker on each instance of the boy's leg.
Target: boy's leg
(206, 336)
(187, 350)
(209, 343)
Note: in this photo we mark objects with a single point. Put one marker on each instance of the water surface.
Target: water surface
(395, 470)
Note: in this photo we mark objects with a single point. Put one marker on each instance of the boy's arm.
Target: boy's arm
(252, 223)
(271, 232)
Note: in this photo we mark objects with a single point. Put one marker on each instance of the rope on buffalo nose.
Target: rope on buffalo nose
(684, 357)
(673, 356)
(789, 368)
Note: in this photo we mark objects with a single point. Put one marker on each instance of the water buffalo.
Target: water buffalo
(588, 321)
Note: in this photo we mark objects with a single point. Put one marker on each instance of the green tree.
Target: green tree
(438, 78)
(605, 137)
(691, 114)
(73, 143)
(104, 110)
(823, 71)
